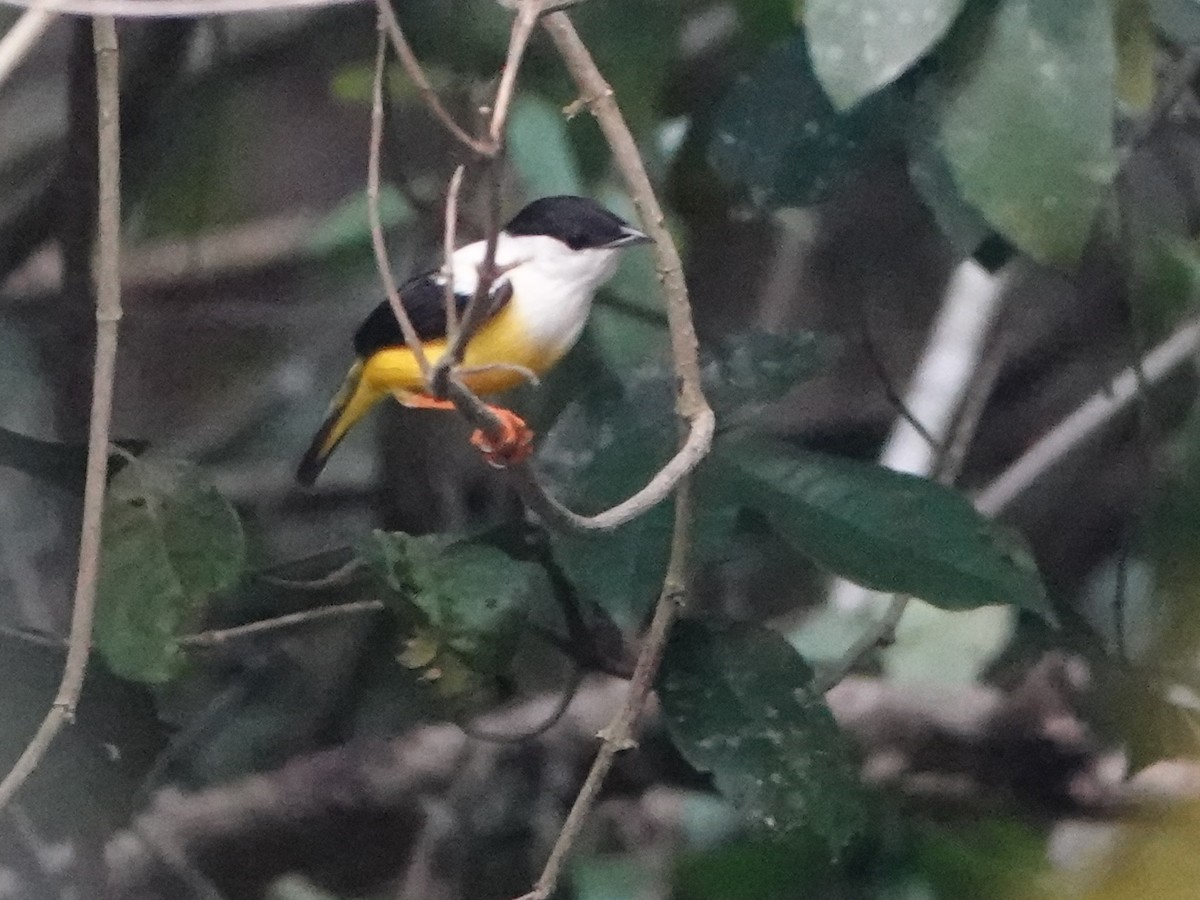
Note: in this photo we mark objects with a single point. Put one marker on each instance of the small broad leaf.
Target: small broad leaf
(1025, 120)
(170, 542)
(777, 134)
(883, 529)
(859, 46)
(738, 702)
(461, 601)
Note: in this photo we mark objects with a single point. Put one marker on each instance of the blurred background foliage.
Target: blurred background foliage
(826, 165)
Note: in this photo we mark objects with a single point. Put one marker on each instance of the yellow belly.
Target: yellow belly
(499, 341)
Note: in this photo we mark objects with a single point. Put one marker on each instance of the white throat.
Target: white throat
(553, 285)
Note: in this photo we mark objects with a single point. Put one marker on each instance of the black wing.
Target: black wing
(424, 301)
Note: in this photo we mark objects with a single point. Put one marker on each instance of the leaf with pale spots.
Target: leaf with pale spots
(860, 46)
(170, 543)
(883, 529)
(738, 702)
(1023, 111)
(777, 135)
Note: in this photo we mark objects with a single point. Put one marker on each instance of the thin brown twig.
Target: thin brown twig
(448, 241)
(691, 406)
(412, 66)
(219, 636)
(528, 12)
(377, 242)
(108, 315)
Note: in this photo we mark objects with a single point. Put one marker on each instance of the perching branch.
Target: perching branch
(694, 413)
(441, 376)
(108, 315)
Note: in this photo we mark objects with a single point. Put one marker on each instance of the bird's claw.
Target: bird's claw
(513, 445)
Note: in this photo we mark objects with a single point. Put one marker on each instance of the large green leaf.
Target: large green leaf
(884, 529)
(859, 46)
(777, 134)
(738, 702)
(170, 543)
(612, 439)
(1025, 120)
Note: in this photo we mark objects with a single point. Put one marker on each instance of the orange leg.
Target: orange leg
(514, 444)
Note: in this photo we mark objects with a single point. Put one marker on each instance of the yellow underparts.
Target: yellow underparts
(394, 372)
(499, 342)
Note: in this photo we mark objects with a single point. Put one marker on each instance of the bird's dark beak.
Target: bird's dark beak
(629, 237)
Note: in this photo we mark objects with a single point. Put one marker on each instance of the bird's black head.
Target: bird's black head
(578, 222)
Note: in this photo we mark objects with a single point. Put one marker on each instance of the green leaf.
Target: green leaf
(930, 173)
(611, 439)
(753, 368)
(170, 542)
(1025, 119)
(602, 448)
(738, 702)
(860, 46)
(777, 134)
(538, 147)
(462, 601)
(884, 529)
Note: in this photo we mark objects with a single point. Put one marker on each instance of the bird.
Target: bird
(552, 257)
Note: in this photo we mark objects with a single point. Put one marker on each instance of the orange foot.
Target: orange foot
(515, 443)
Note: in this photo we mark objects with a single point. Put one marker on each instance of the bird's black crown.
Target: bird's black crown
(578, 222)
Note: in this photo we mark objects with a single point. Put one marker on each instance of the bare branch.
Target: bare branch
(377, 242)
(221, 635)
(448, 244)
(108, 315)
(412, 66)
(21, 38)
(525, 21)
(695, 448)
(1100, 409)
(165, 9)
(695, 416)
